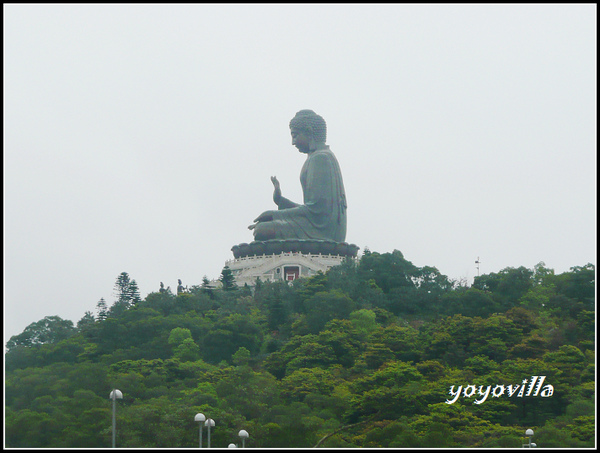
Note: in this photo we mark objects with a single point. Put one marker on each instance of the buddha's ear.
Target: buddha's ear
(312, 143)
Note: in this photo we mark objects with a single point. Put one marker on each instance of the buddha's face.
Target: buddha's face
(300, 140)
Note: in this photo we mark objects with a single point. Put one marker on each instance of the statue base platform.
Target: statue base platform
(286, 260)
(304, 246)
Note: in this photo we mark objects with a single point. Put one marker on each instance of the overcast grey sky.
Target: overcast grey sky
(141, 138)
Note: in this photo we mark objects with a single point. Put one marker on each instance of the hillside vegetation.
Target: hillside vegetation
(364, 356)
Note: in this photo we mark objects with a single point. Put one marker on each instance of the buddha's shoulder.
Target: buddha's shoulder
(322, 154)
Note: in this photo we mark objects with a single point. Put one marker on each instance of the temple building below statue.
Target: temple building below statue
(286, 260)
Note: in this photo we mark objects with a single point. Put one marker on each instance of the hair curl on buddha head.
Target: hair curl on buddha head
(307, 120)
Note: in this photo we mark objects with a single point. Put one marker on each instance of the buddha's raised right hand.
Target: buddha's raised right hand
(277, 191)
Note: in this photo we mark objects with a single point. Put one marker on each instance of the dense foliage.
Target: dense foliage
(363, 356)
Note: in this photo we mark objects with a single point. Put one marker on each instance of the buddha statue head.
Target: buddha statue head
(309, 131)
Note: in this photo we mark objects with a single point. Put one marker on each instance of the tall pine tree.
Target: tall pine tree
(134, 293)
(227, 279)
(126, 292)
(102, 309)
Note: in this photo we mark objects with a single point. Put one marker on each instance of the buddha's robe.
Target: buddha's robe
(323, 214)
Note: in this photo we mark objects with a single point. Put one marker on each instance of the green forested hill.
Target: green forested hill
(364, 356)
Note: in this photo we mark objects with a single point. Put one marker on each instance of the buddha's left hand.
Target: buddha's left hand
(266, 216)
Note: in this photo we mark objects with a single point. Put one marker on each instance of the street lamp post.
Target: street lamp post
(209, 422)
(200, 418)
(529, 434)
(244, 435)
(114, 394)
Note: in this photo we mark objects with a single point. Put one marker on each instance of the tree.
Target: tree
(241, 357)
(470, 302)
(134, 293)
(127, 293)
(161, 301)
(122, 287)
(187, 351)
(273, 298)
(49, 330)
(391, 391)
(228, 334)
(102, 309)
(579, 284)
(227, 279)
(430, 279)
(178, 335)
(509, 284)
(402, 341)
(304, 381)
(88, 319)
(325, 306)
(542, 274)
(343, 276)
(569, 358)
(390, 270)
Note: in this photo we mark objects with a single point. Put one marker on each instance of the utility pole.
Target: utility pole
(477, 262)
